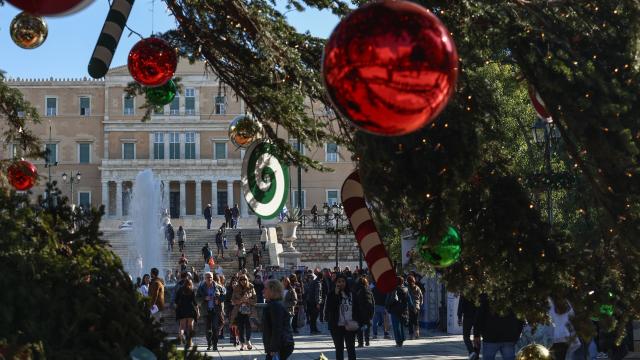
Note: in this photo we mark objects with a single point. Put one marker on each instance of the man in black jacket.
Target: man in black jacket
(498, 332)
(466, 316)
(313, 301)
(207, 215)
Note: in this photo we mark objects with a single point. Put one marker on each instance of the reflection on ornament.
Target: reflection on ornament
(390, 67)
(152, 62)
(50, 7)
(22, 175)
(162, 95)
(28, 31)
(244, 130)
(443, 254)
(533, 352)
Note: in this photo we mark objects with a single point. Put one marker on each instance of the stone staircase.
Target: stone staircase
(196, 239)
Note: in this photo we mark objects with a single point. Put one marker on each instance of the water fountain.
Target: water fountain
(146, 238)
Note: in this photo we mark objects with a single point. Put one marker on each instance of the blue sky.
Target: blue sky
(71, 39)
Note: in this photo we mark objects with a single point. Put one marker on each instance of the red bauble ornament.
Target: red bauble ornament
(50, 7)
(390, 67)
(22, 175)
(152, 62)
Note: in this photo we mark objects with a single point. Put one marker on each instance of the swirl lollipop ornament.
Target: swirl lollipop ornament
(265, 180)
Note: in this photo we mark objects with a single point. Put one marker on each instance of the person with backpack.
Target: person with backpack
(398, 306)
(206, 253)
(415, 302)
(366, 307)
(170, 235)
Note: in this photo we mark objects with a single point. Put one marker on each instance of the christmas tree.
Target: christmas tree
(475, 167)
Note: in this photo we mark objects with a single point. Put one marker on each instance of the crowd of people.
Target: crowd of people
(348, 302)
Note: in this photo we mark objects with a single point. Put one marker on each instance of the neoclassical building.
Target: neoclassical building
(93, 128)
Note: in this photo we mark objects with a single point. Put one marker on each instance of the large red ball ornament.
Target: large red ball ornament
(152, 62)
(390, 67)
(50, 7)
(22, 175)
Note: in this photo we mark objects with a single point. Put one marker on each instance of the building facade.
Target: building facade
(93, 128)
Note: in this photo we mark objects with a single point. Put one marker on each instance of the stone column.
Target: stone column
(105, 197)
(214, 197)
(230, 193)
(183, 202)
(198, 197)
(118, 198)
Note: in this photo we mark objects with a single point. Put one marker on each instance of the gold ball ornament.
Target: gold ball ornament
(533, 352)
(244, 130)
(28, 31)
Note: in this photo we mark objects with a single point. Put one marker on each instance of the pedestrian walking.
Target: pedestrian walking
(182, 238)
(466, 317)
(170, 235)
(183, 262)
(258, 286)
(366, 308)
(242, 256)
(313, 299)
(398, 306)
(277, 334)
(564, 337)
(415, 303)
(186, 312)
(235, 214)
(156, 294)
(239, 239)
(206, 253)
(227, 217)
(208, 215)
(211, 296)
(299, 314)
(290, 299)
(342, 316)
(244, 301)
(219, 244)
(380, 313)
(498, 333)
(314, 213)
(256, 254)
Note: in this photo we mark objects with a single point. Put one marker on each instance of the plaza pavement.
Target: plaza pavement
(432, 345)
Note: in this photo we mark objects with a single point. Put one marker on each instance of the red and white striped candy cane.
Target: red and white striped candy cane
(367, 234)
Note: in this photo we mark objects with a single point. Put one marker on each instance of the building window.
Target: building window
(190, 145)
(129, 151)
(294, 145)
(16, 151)
(331, 152)
(220, 150)
(174, 107)
(295, 199)
(129, 105)
(84, 153)
(190, 102)
(174, 145)
(332, 197)
(221, 105)
(158, 146)
(85, 106)
(84, 199)
(51, 153)
(52, 106)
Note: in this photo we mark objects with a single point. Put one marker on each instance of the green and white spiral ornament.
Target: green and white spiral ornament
(265, 180)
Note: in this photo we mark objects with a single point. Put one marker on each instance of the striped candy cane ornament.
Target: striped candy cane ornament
(367, 235)
(109, 38)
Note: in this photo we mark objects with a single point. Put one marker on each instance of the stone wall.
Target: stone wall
(318, 247)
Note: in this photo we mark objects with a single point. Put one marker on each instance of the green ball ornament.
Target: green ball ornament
(162, 95)
(443, 254)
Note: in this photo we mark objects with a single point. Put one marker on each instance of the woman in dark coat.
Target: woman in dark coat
(277, 333)
(186, 312)
(341, 310)
(366, 306)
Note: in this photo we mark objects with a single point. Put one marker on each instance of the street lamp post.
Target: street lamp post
(335, 215)
(71, 180)
(545, 133)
